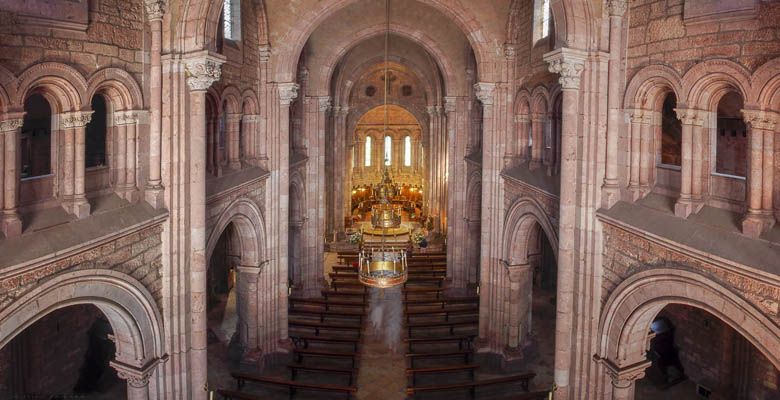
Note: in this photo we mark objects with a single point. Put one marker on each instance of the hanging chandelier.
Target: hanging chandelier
(384, 266)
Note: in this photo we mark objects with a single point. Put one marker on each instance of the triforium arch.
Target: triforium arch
(62, 83)
(127, 304)
(634, 304)
(649, 85)
(248, 220)
(198, 22)
(521, 219)
(122, 88)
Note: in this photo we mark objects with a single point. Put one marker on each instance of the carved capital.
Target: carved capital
(690, 116)
(568, 64)
(450, 104)
(155, 9)
(203, 70)
(324, 103)
(522, 118)
(484, 92)
(624, 376)
(233, 117)
(137, 376)
(510, 51)
(9, 125)
(432, 111)
(76, 119)
(639, 116)
(128, 117)
(288, 92)
(250, 118)
(264, 53)
(763, 120)
(516, 271)
(617, 7)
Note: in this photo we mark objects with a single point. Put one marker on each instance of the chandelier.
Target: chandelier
(384, 266)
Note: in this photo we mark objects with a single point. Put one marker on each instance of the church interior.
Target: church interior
(390, 199)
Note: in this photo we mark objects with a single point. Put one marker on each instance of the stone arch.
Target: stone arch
(540, 100)
(474, 194)
(297, 196)
(249, 102)
(650, 83)
(705, 80)
(248, 220)
(127, 304)
(122, 88)
(62, 82)
(766, 86)
(232, 98)
(633, 305)
(521, 218)
(7, 89)
(523, 102)
(345, 79)
(573, 19)
(197, 28)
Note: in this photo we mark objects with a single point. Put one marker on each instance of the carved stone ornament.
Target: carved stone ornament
(288, 92)
(762, 120)
(250, 118)
(202, 72)
(155, 9)
(76, 119)
(137, 377)
(522, 118)
(264, 52)
(126, 117)
(432, 111)
(569, 72)
(450, 104)
(689, 116)
(324, 103)
(11, 124)
(623, 376)
(639, 116)
(484, 92)
(510, 50)
(617, 7)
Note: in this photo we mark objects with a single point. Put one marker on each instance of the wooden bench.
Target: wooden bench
(413, 372)
(466, 354)
(318, 326)
(327, 294)
(324, 302)
(433, 325)
(233, 394)
(438, 312)
(438, 280)
(355, 286)
(467, 340)
(441, 302)
(524, 380)
(241, 379)
(300, 353)
(329, 313)
(294, 368)
(303, 340)
(423, 291)
(344, 268)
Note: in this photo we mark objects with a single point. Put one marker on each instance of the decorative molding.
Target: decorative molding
(432, 111)
(450, 104)
(129, 117)
(264, 52)
(510, 51)
(623, 376)
(690, 116)
(763, 120)
(137, 377)
(484, 92)
(617, 7)
(76, 119)
(522, 118)
(203, 69)
(11, 124)
(155, 9)
(324, 104)
(288, 92)
(568, 64)
(251, 118)
(640, 116)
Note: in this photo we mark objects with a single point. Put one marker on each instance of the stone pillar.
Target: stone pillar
(137, 377)
(153, 193)
(261, 148)
(120, 123)
(537, 126)
(641, 121)
(251, 128)
(623, 377)
(10, 131)
(610, 189)
(520, 297)
(342, 161)
(75, 200)
(687, 204)
(568, 64)
(760, 187)
(127, 122)
(210, 143)
(247, 306)
(523, 123)
(233, 121)
(203, 69)
(647, 155)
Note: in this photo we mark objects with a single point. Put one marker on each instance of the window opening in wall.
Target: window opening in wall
(671, 133)
(370, 91)
(408, 151)
(96, 134)
(541, 19)
(406, 90)
(388, 150)
(231, 15)
(367, 162)
(731, 149)
(36, 138)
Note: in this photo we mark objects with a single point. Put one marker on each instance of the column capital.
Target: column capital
(514, 271)
(324, 103)
(640, 116)
(538, 117)
(252, 269)
(617, 7)
(137, 376)
(203, 69)
(510, 51)
(155, 9)
(288, 92)
(690, 116)
(450, 104)
(129, 117)
(76, 119)
(11, 124)
(264, 52)
(484, 92)
(764, 120)
(250, 117)
(233, 117)
(568, 64)
(432, 110)
(623, 375)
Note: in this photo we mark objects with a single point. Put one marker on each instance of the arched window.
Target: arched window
(671, 133)
(731, 137)
(388, 151)
(367, 156)
(96, 134)
(541, 19)
(408, 151)
(36, 138)
(231, 16)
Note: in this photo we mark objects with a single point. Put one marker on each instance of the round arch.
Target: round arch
(650, 82)
(766, 86)
(521, 218)
(121, 86)
(707, 78)
(250, 227)
(63, 82)
(633, 305)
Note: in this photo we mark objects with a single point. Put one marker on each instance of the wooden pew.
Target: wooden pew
(354, 286)
(324, 326)
(327, 294)
(329, 313)
(466, 341)
(438, 312)
(524, 379)
(421, 291)
(300, 353)
(434, 325)
(466, 354)
(303, 340)
(437, 280)
(351, 372)
(327, 304)
(241, 379)
(440, 302)
(413, 372)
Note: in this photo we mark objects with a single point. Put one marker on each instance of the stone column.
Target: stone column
(74, 124)
(568, 64)
(137, 377)
(687, 204)
(120, 122)
(128, 122)
(520, 296)
(233, 121)
(640, 126)
(759, 217)
(10, 131)
(610, 189)
(647, 156)
(250, 122)
(623, 377)
(210, 143)
(537, 124)
(153, 193)
(203, 69)
(261, 148)
(524, 123)
(342, 170)
(247, 305)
